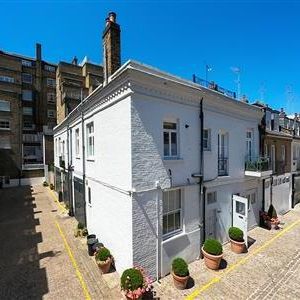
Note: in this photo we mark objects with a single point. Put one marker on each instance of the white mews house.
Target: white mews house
(133, 159)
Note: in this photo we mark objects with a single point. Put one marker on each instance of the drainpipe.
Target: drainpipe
(158, 237)
(83, 155)
(201, 188)
(70, 170)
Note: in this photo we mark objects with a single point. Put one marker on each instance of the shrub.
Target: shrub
(45, 183)
(80, 225)
(213, 247)
(272, 212)
(180, 267)
(236, 234)
(103, 254)
(132, 279)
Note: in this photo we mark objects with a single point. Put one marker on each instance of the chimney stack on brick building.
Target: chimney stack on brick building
(111, 47)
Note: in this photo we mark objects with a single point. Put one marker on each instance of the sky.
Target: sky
(262, 38)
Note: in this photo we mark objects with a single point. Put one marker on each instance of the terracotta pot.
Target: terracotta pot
(104, 266)
(129, 298)
(180, 282)
(237, 247)
(212, 261)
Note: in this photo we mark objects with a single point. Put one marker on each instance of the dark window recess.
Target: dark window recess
(90, 196)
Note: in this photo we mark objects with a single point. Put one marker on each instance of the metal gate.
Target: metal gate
(79, 201)
(296, 190)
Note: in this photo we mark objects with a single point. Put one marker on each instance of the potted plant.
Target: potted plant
(103, 259)
(213, 253)
(51, 186)
(135, 283)
(273, 221)
(79, 230)
(180, 273)
(236, 236)
(45, 183)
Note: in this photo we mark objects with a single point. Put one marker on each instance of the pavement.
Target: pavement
(39, 256)
(41, 259)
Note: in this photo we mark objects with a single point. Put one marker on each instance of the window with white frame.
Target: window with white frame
(49, 68)
(26, 63)
(51, 113)
(90, 139)
(4, 105)
(4, 124)
(172, 212)
(26, 78)
(51, 82)
(206, 139)
(77, 142)
(5, 142)
(7, 79)
(170, 140)
(27, 95)
(51, 97)
(27, 111)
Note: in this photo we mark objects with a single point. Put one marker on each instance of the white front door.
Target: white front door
(240, 214)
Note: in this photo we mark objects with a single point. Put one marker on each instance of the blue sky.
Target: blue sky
(180, 37)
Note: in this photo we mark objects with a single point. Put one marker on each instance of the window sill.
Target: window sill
(173, 158)
(172, 236)
(90, 158)
(4, 129)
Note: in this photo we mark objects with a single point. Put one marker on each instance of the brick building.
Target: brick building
(27, 114)
(75, 82)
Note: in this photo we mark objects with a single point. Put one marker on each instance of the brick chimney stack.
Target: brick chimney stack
(111, 46)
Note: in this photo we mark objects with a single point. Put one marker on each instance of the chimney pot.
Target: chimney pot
(112, 17)
(38, 51)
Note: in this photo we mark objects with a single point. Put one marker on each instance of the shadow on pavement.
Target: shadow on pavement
(21, 276)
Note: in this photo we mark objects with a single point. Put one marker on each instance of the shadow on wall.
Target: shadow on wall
(21, 275)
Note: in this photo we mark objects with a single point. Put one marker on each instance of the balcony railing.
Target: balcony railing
(222, 166)
(213, 86)
(32, 138)
(258, 164)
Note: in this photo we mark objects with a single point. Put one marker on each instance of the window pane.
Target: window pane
(166, 144)
(240, 208)
(177, 204)
(173, 143)
(165, 225)
(168, 125)
(171, 223)
(165, 203)
(172, 196)
(177, 221)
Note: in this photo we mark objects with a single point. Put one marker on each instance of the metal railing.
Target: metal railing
(213, 86)
(222, 166)
(32, 138)
(257, 164)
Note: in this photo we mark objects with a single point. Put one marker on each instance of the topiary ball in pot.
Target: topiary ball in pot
(131, 280)
(236, 234)
(213, 253)
(237, 242)
(103, 259)
(180, 273)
